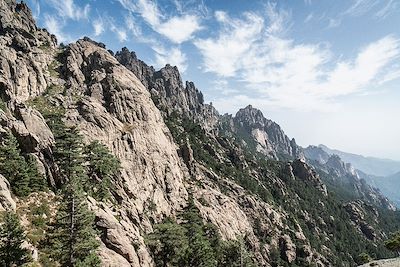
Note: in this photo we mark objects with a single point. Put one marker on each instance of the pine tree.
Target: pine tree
(102, 165)
(74, 237)
(200, 252)
(11, 238)
(37, 181)
(393, 243)
(168, 244)
(13, 166)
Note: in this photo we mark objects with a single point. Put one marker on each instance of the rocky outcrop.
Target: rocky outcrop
(116, 109)
(339, 168)
(395, 262)
(288, 248)
(345, 176)
(356, 210)
(306, 173)
(316, 153)
(6, 201)
(26, 54)
(123, 103)
(267, 136)
(168, 91)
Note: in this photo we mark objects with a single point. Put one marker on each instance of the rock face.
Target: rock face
(25, 54)
(6, 201)
(268, 137)
(344, 175)
(356, 210)
(288, 248)
(316, 153)
(124, 104)
(168, 91)
(304, 172)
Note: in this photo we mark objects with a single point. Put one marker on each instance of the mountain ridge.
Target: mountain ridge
(370, 165)
(241, 173)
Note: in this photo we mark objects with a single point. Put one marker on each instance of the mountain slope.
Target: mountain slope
(242, 173)
(369, 165)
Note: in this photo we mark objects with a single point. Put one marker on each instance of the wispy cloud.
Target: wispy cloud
(379, 9)
(55, 27)
(278, 71)
(360, 7)
(67, 9)
(98, 26)
(173, 56)
(309, 18)
(177, 29)
(119, 31)
(390, 7)
(223, 55)
(333, 23)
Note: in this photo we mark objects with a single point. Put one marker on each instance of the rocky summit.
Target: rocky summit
(160, 177)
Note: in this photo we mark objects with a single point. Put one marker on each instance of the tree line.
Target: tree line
(83, 170)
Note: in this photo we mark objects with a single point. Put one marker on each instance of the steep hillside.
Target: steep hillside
(389, 186)
(369, 165)
(161, 178)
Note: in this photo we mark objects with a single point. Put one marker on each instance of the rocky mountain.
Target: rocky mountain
(261, 134)
(168, 91)
(369, 165)
(345, 176)
(389, 185)
(183, 168)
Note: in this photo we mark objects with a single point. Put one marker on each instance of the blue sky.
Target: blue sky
(327, 71)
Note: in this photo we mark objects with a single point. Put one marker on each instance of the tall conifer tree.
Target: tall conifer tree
(74, 237)
(11, 238)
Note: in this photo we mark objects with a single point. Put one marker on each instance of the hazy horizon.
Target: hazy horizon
(327, 73)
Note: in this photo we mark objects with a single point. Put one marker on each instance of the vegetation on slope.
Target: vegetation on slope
(324, 220)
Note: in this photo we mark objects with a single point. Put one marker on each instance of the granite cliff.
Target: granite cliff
(245, 176)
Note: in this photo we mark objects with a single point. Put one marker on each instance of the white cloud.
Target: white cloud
(54, 26)
(394, 74)
(68, 9)
(177, 29)
(390, 7)
(120, 32)
(222, 55)
(98, 26)
(278, 19)
(35, 9)
(173, 56)
(360, 7)
(275, 70)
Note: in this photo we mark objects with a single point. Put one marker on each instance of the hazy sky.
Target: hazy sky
(326, 71)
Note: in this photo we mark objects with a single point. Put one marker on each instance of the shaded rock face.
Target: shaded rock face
(304, 172)
(356, 210)
(168, 91)
(268, 136)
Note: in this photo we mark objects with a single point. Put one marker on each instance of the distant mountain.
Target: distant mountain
(379, 173)
(224, 185)
(369, 165)
(390, 187)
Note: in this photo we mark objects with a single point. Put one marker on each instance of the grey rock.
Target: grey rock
(6, 201)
